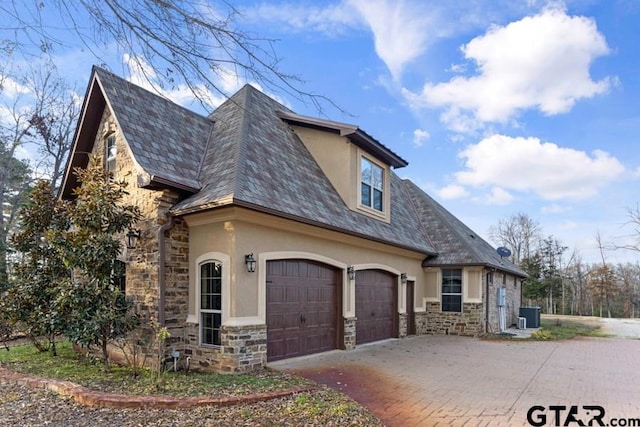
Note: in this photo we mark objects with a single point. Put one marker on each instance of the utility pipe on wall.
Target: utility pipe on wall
(162, 285)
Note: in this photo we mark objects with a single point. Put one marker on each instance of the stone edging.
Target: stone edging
(100, 399)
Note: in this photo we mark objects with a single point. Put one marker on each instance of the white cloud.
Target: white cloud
(452, 192)
(498, 196)
(11, 88)
(539, 62)
(400, 30)
(527, 164)
(420, 136)
(331, 20)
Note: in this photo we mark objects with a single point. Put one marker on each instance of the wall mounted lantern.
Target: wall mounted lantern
(251, 263)
(403, 278)
(132, 238)
(351, 272)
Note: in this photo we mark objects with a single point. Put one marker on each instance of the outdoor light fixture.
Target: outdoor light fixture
(132, 238)
(403, 278)
(251, 263)
(351, 272)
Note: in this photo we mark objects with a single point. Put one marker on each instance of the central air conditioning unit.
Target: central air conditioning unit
(522, 323)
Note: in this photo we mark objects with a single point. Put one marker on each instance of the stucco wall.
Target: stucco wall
(259, 235)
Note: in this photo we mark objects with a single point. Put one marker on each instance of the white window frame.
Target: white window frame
(225, 261)
(461, 293)
(374, 166)
(110, 153)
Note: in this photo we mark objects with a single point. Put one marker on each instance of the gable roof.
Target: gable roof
(456, 243)
(255, 160)
(166, 140)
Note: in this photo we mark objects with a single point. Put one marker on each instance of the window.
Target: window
(372, 184)
(210, 302)
(452, 290)
(111, 151)
(119, 276)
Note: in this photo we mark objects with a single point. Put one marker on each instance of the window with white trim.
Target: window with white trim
(210, 302)
(451, 295)
(371, 185)
(110, 154)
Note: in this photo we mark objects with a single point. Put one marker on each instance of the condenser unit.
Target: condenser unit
(522, 323)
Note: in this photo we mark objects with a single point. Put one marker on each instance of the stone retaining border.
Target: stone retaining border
(100, 399)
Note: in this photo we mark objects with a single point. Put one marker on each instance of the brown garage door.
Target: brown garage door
(302, 308)
(376, 310)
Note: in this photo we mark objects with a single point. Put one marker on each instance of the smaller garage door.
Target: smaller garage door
(302, 308)
(376, 306)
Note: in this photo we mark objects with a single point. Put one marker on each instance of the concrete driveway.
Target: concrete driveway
(446, 380)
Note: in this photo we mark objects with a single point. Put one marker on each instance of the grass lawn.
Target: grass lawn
(88, 372)
(561, 329)
(321, 406)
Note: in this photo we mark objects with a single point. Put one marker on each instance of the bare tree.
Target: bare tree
(602, 280)
(633, 215)
(629, 276)
(576, 274)
(519, 233)
(195, 43)
(55, 113)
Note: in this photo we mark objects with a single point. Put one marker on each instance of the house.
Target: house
(268, 235)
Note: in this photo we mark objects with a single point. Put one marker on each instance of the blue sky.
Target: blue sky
(499, 106)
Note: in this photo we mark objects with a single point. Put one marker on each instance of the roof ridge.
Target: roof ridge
(241, 145)
(414, 208)
(206, 150)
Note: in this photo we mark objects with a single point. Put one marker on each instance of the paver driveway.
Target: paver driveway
(445, 380)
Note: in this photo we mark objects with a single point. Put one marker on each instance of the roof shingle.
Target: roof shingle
(166, 139)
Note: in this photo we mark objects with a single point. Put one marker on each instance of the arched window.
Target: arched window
(210, 302)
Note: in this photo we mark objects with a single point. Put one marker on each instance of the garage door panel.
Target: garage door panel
(376, 305)
(302, 308)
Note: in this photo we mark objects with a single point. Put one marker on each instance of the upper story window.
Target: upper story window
(371, 185)
(111, 150)
(452, 290)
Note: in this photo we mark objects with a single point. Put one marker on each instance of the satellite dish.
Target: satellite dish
(503, 252)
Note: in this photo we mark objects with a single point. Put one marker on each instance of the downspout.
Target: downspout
(486, 318)
(162, 285)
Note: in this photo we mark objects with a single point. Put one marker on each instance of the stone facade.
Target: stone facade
(143, 261)
(512, 303)
(243, 349)
(402, 325)
(422, 323)
(469, 322)
(349, 333)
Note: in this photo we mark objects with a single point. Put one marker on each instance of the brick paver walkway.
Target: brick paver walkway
(443, 380)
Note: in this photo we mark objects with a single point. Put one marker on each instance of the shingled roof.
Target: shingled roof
(166, 140)
(456, 243)
(245, 154)
(256, 160)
